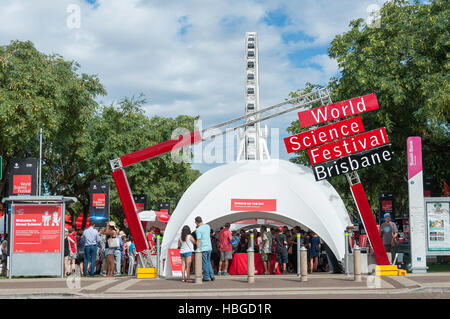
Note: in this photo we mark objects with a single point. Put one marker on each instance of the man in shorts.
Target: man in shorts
(266, 249)
(226, 249)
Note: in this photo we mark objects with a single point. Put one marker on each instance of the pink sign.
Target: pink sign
(414, 149)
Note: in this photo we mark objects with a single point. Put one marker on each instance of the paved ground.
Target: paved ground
(432, 285)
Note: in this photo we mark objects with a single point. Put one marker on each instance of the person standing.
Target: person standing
(186, 246)
(226, 249)
(282, 254)
(118, 254)
(315, 251)
(151, 239)
(215, 257)
(112, 242)
(91, 238)
(132, 257)
(73, 249)
(4, 248)
(80, 250)
(243, 242)
(204, 242)
(266, 249)
(389, 234)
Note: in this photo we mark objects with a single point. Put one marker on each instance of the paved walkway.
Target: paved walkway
(434, 285)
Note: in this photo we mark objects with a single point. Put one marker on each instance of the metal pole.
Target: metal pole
(347, 272)
(357, 263)
(158, 254)
(251, 261)
(304, 264)
(198, 266)
(298, 255)
(40, 161)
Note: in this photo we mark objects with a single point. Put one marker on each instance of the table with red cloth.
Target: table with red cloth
(239, 264)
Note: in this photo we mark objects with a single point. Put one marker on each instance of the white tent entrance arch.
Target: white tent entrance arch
(276, 190)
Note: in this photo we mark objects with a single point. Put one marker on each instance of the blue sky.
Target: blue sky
(187, 57)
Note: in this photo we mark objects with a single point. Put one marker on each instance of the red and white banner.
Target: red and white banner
(37, 228)
(175, 261)
(98, 200)
(267, 205)
(348, 146)
(324, 134)
(338, 110)
(22, 184)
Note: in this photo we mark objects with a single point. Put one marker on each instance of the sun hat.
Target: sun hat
(387, 215)
(112, 224)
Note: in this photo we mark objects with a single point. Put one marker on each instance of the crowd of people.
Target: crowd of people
(218, 247)
(108, 251)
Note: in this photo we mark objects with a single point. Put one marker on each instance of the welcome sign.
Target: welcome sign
(341, 147)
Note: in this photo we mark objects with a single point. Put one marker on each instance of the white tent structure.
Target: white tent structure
(299, 200)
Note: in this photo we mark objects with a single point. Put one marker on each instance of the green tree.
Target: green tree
(405, 61)
(124, 128)
(44, 91)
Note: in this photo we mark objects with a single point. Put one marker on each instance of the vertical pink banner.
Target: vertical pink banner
(414, 149)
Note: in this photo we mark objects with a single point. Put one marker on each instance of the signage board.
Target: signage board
(267, 205)
(352, 162)
(416, 205)
(175, 262)
(438, 226)
(386, 204)
(324, 134)
(348, 146)
(23, 175)
(141, 202)
(37, 228)
(338, 110)
(99, 204)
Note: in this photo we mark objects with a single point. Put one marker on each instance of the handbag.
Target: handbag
(113, 242)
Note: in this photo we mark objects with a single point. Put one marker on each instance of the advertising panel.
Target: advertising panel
(175, 261)
(23, 176)
(37, 228)
(338, 110)
(99, 204)
(438, 221)
(267, 205)
(141, 202)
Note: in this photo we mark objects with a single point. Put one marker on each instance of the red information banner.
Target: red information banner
(338, 110)
(22, 184)
(324, 134)
(37, 228)
(348, 146)
(98, 200)
(267, 205)
(175, 260)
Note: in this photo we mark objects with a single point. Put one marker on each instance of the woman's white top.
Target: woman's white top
(186, 246)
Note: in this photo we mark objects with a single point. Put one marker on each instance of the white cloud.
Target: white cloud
(186, 56)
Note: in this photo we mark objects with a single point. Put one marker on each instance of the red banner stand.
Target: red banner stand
(369, 223)
(129, 208)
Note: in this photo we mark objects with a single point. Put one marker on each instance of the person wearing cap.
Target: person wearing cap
(389, 234)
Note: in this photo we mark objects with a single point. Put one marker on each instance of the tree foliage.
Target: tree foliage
(405, 61)
(80, 135)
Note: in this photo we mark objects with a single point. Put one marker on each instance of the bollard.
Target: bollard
(347, 272)
(251, 261)
(198, 266)
(298, 255)
(158, 254)
(357, 263)
(304, 264)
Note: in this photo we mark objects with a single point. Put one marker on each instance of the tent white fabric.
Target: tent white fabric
(300, 200)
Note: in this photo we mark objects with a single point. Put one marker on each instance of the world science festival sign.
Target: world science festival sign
(344, 146)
